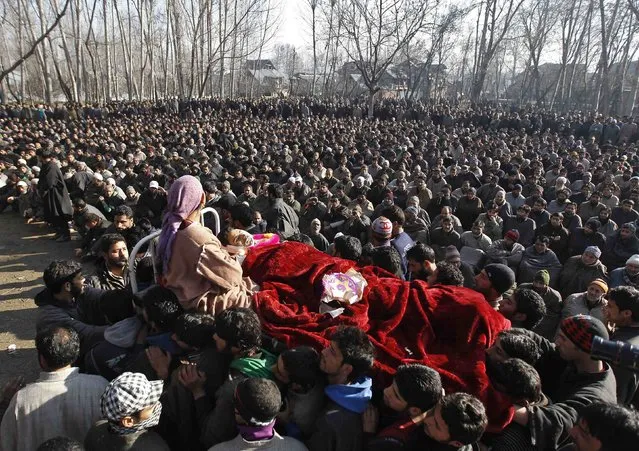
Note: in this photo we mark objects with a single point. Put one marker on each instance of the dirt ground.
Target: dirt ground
(25, 251)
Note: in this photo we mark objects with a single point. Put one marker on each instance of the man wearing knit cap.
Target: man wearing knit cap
(381, 231)
(493, 281)
(506, 251)
(585, 236)
(552, 300)
(591, 302)
(628, 275)
(580, 270)
(570, 377)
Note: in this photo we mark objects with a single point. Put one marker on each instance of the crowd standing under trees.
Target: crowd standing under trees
(534, 211)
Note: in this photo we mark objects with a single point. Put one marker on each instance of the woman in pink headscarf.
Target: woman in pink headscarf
(195, 267)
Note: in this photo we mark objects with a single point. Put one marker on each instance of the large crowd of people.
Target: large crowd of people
(531, 212)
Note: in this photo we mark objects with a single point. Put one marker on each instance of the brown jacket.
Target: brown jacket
(203, 275)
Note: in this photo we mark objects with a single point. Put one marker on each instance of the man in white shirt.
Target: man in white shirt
(62, 402)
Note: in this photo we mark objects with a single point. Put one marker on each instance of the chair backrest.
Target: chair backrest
(150, 252)
(216, 218)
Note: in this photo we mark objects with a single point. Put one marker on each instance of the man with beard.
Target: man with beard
(552, 300)
(586, 236)
(524, 308)
(489, 190)
(580, 270)
(571, 221)
(112, 272)
(443, 199)
(591, 208)
(469, 207)
(151, 204)
(557, 234)
(628, 275)
(421, 262)
(55, 197)
(559, 204)
(493, 281)
(591, 302)
(280, 217)
(621, 246)
(319, 241)
(124, 224)
(67, 302)
(523, 224)
(608, 226)
(624, 213)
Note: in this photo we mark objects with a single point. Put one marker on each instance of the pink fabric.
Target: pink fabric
(183, 199)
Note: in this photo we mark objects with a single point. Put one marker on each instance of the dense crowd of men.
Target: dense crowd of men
(536, 211)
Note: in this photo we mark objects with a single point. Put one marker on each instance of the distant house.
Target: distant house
(408, 79)
(353, 85)
(549, 73)
(263, 78)
(423, 80)
(301, 84)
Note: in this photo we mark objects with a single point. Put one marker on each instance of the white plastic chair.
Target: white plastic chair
(216, 218)
(134, 252)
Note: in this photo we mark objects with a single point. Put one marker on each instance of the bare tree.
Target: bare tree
(377, 30)
(496, 18)
(46, 31)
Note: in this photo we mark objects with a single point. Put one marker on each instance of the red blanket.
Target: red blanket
(446, 328)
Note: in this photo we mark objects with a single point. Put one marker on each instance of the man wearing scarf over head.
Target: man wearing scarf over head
(195, 267)
(130, 407)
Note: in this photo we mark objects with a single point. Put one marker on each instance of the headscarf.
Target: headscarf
(183, 199)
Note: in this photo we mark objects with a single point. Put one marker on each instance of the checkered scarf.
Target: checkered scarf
(127, 395)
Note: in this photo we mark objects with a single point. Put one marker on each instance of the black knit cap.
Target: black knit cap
(582, 329)
(501, 277)
(257, 401)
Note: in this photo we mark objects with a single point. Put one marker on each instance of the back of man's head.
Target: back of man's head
(257, 401)
(195, 329)
(60, 272)
(419, 385)
(465, 417)
(60, 443)
(57, 347)
(616, 427)
(357, 350)
(387, 257)
(302, 365)
(348, 247)
(517, 379)
(520, 346)
(530, 303)
(240, 328)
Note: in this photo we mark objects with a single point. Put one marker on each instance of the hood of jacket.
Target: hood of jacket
(354, 397)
